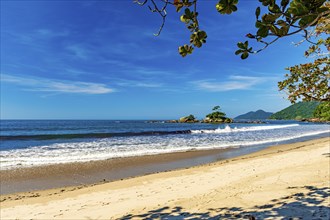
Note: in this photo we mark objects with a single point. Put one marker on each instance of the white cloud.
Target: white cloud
(133, 83)
(61, 86)
(234, 82)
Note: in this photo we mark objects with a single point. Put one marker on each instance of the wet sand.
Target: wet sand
(286, 181)
(82, 173)
(72, 174)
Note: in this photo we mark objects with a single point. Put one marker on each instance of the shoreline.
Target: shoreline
(78, 174)
(258, 184)
(94, 172)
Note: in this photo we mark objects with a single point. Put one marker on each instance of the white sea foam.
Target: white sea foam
(150, 145)
(228, 129)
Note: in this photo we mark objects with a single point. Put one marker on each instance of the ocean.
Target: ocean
(28, 143)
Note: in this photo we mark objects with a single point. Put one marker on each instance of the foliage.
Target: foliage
(322, 111)
(310, 81)
(216, 114)
(296, 111)
(216, 108)
(260, 114)
(282, 18)
(188, 119)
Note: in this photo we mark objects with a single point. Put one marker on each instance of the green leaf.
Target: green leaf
(233, 8)
(284, 30)
(184, 19)
(270, 18)
(257, 13)
(202, 34)
(246, 44)
(263, 31)
(297, 8)
(226, 6)
(198, 38)
(274, 9)
(244, 55)
(185, 50)
(237, 52)
(241, 45)
(275, 30)
(284, 3)
(307, 20)
(259, 24)
(282, 23)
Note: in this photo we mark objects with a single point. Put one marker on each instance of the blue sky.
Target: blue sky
(100, 60)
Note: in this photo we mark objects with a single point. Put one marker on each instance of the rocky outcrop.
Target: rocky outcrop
(217, 120)
(188, 119)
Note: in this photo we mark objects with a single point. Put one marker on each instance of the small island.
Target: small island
(188, 119)
(217, 116)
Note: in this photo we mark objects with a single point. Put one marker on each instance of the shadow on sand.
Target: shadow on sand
(313, 204)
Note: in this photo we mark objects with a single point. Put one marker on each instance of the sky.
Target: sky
(101, 60)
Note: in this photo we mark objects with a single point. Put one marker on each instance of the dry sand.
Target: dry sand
(281, 182)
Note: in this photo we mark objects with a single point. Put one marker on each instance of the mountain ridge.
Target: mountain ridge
(255, 115)
(297, 111)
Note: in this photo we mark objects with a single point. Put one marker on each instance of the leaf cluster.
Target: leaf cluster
(309, 81)
(190, 118)
(216, 114)
(284, 18)
(281, 18)
(322, 111)
(226, 6)
(190, 18)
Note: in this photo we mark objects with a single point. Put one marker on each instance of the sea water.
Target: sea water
(26, 143)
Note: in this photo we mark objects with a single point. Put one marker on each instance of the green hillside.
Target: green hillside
(260, 114)
(297, 111)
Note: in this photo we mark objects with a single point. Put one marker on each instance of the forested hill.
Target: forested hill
(298, 111)
(260, 114)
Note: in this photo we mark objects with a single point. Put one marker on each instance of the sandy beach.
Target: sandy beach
(280, 182)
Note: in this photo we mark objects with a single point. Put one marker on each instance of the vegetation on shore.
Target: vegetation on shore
(274, 20)
(298, 111)
(322, 111)
(217, 116)
(309, 111)
(188, 119)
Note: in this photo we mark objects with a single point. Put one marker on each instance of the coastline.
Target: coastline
(259, 184)
(100, 171)
(78, 174)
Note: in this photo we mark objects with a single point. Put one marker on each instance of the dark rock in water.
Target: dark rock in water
(251, 122)
(153, 121)
(171, 121)
(314, 120)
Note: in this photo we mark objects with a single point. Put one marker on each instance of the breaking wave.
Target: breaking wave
(228, 129)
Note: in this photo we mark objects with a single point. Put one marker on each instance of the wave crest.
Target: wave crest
(228, 129)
